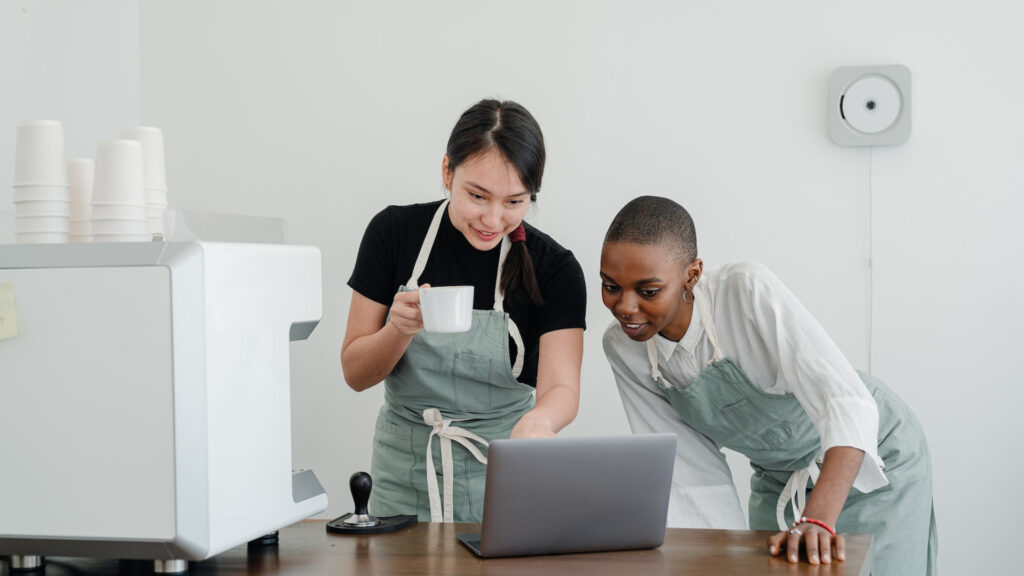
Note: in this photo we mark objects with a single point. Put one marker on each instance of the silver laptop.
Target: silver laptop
(562, 495)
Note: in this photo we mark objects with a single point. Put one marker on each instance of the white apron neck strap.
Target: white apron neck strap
(499, 306)
(652, 357)
(428, 244)
(702, 302)
(499, 298)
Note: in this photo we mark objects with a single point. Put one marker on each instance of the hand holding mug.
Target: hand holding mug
(405, 312)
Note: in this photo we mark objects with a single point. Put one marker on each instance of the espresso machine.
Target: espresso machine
(145, 408)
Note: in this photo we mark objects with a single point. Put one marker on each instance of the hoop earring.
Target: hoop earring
(692, 297)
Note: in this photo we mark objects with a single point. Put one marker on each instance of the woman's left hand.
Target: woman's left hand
(821, 546)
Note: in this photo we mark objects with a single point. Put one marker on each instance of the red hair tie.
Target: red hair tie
(518, 235)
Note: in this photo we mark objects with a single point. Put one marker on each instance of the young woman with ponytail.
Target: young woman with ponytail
(516, 372)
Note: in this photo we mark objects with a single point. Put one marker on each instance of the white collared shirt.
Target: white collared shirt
(782, 349)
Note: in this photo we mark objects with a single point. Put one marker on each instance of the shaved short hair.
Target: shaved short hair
(650, 220)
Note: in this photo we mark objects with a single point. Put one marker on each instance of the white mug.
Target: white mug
(447, 309)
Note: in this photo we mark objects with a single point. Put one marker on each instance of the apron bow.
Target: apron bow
(443, 429)
(795, 493)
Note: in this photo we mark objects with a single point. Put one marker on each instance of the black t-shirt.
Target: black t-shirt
(392, 242)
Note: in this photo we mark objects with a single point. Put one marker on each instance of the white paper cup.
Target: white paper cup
(104, 238)
(447, 309)
(47, 192)
(155, 226)
(156, 197)
(39, 154)
(41, 238)
(152, 140)
(41, 224)
(118, 178)
(119, 227)
(27, 208)
(113, 212)
(80, 238)
(81, 172)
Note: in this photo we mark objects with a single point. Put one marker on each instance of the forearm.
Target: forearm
(366, 361)
(833, 486)
(556, 407)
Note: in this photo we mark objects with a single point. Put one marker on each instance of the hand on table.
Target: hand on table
(821, 546)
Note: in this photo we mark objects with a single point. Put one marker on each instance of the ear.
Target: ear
(693, 272)
(446, 173)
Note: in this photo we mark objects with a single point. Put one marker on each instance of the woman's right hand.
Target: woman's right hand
(405, 312)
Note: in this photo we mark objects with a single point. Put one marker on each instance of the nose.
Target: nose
(491, 216)
(626, 306)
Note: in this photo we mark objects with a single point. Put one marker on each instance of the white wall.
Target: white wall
(67, 60)
(324, 112)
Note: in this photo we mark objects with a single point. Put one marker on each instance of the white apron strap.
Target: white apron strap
(702, 301)
(443, 429)
(652, 357)
(499, 298)
(428, 244)
(795, 493)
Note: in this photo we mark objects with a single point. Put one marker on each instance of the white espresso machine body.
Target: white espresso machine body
(145, 398)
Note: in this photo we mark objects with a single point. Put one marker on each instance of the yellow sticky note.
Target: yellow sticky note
(8, 311)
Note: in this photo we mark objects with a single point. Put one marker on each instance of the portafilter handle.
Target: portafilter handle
(360, 483)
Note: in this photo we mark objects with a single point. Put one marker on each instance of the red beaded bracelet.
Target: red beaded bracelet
(806, 520)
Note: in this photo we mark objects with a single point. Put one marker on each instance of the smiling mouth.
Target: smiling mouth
(486, 235)
(633, 329)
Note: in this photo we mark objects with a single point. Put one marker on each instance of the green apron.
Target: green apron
(455, 387)
(780, 440)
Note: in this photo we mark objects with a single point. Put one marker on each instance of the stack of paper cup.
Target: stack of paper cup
(118, 193)
(80, 177)
(41, 198)
(155, 173)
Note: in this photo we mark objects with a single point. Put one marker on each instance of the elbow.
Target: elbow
(357, 381)
(351, 376)
(352, 383)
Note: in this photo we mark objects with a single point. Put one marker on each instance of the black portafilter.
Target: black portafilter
(361, 521)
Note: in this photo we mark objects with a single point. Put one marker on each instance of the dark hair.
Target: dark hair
(655, 220)
(512, 130)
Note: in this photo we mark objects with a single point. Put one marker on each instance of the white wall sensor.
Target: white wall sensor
(870, 105)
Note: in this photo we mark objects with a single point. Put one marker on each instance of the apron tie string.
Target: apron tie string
(443, 429)
(795, 493)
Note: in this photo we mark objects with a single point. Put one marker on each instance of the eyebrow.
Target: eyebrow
(482, 189)
(651, 280)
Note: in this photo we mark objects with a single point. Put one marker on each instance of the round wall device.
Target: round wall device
(870, 105)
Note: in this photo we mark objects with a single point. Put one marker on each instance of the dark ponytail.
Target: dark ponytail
(513, 131)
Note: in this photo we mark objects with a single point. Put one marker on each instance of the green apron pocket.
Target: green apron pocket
(758, 429)
(471, 376)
